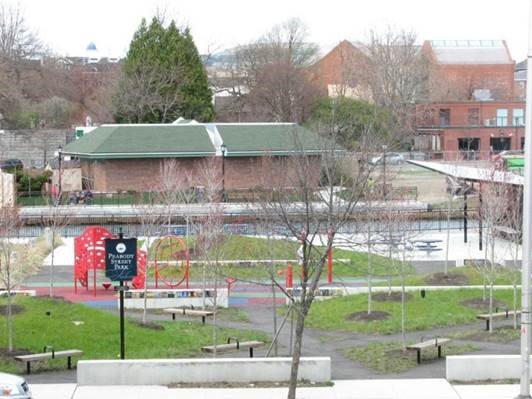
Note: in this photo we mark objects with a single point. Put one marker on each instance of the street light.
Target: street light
(223, 148)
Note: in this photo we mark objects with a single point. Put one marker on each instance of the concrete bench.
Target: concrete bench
(36, 357)
(496, 315)
(233, 346)
(431, 343)
(189, 312)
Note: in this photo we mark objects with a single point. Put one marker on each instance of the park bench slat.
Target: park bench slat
(428, 344)
(48, 355)
(189, 312)
(233, 346)
(498, 314)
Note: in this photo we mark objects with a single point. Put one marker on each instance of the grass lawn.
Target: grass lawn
(437, 309)
(346, 263)
(499, 334)
(388, 357)
(467, 275)
(98, 336)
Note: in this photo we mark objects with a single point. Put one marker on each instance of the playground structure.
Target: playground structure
(89, 255)
(172, 262)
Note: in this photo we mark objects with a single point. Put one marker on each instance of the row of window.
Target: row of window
(497, 144)
(473, 117)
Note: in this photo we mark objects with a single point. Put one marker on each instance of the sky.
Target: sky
(68, 26)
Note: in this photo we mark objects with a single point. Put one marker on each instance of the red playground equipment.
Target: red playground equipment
(172, 262)
(89, 254)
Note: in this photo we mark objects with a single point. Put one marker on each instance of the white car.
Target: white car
(14, 387)
(392, 158)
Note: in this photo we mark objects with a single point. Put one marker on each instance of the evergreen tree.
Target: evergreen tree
(163, 78)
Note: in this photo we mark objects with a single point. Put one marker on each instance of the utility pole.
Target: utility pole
(524, 392)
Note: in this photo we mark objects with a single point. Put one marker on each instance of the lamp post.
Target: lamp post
(384, 148)
(223, 148)
(524, 391)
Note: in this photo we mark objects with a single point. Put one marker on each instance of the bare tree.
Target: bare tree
(147, 92)
(210, 232)
(274, 70)
(397, 75)
(311, 178)
(11, 268)
(496, 200)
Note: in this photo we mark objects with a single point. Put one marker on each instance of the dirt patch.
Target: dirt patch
(15, 309)
(479, 304)
(390, 297)
(447, 279)
(364, 316)
(150, 325)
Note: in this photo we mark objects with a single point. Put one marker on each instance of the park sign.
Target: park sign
(120, 258)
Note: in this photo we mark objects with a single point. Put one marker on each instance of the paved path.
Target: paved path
(342, 389)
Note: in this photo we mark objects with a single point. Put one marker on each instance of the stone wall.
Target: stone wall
(32, 147)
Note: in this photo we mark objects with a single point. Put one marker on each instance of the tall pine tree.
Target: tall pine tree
(163, 78)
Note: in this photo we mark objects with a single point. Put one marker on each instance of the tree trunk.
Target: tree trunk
(515, 306)
(145, 304)
(403, 307)
(9, 314)
(448, 236)
(369, 267)
(51, 293)
(491, 307)
(296, 354)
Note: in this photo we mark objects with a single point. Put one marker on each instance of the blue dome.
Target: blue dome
(91, 46)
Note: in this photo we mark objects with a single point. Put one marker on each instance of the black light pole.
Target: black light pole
(121, 295)
(223, 148)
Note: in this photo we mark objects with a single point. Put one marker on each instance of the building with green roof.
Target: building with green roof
(129, 157)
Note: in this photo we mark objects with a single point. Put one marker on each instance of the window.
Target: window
(473, 116)
(499, 144)
(469, 144)
(502, 117)
(519, 117)
(445, 117)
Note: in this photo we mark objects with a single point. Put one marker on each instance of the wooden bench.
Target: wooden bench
(189, 312)
(49, 355)
(496, 315)
(233, 346)
(436, 342)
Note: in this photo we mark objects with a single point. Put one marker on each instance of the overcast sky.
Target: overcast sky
(67, 26)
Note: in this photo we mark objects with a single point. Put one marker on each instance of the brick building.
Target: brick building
(339, 72)
(475, 129)
(244, 155)
(476, 108)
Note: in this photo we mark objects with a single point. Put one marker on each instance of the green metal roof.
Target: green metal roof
(275, 139)
(195, 140)
(143, 141)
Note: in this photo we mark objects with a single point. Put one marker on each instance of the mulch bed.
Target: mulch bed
(5, 354)
(394, 296)
(447, 279)
(479, 304)
(364, 316)
(15, 309)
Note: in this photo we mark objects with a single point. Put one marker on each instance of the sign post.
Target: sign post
(121, 265)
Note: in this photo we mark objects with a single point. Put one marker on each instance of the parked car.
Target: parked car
(392, 158)
(14, 387)
(11, 164)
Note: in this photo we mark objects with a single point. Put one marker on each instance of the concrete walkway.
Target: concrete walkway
(342, 389)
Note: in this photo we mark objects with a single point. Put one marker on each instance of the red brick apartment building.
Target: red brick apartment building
(475, 106)
(475, 99)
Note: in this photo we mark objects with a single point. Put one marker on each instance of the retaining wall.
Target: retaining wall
(173, 371)
(483, 367)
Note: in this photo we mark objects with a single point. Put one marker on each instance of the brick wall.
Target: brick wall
(240, 172)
